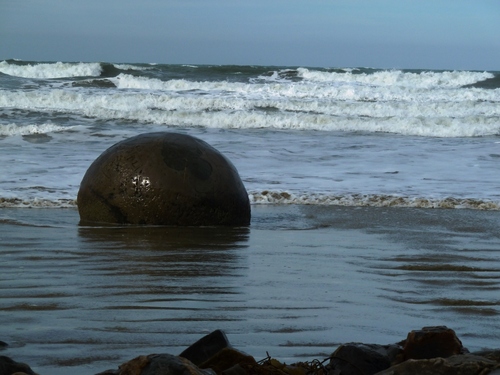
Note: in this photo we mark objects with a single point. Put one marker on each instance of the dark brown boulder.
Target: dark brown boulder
(432, 342)
(163, 179)
(362, 359)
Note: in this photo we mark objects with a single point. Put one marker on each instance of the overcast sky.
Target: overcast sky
(427, 34)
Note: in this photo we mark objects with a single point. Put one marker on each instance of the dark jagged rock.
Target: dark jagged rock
(163, 179)
(432, 342)
(230, 361)
(8, 367)
(362, 359)
(206, 347)
(214, 351)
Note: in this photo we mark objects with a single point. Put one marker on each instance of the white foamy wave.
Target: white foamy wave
(51, 70)
(131, 67)
(37, 203)
(438, 127)
(308, 91)
(281, 76)
(14, 129)
(373, 200)
(127, 81)
(426, 79)
(447, 119)
(286, 198)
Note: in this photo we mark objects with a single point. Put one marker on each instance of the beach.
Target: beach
(375, 211)
(296, 283)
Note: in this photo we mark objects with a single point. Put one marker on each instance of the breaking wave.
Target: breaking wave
(50, 70)
(425, 79)
(14, 129)
(37, 203)
(287, 198)
(369, 200)
(439, 112)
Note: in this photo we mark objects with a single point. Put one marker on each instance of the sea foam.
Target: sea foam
(51, 70)
(308, 90)
(439, 112)
(14, 129)
(369, 200)
(424, 79)
(287, 198)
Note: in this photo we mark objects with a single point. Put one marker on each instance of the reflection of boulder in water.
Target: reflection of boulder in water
(166, 237)
(163, 179)
(166, 251)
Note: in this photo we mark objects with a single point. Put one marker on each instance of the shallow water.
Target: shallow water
(297, 283)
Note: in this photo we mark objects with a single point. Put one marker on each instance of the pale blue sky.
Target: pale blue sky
(428, 34)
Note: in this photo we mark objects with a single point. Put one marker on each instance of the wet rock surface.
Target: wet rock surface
(206, 347)
(163, 179)
(155, 364)
(467, 364)
(213, 355)
(432, 342)
(358, 358)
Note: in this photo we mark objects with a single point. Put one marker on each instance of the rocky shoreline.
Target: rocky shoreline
(430, 350)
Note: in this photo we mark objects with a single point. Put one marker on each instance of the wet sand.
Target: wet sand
(297, 283)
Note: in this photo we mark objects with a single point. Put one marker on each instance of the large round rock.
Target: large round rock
(163, 179)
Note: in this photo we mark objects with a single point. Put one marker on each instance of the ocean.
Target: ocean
(374, 194)
(351, 137)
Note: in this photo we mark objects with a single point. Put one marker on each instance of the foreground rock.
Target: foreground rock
(467, 364)
(432, 342)
(206, 348)
(9, 367)
(163, 179)
(358, 358)
(156, 364)
(428, 351)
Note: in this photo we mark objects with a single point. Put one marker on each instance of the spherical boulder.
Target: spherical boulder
(163, 179)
